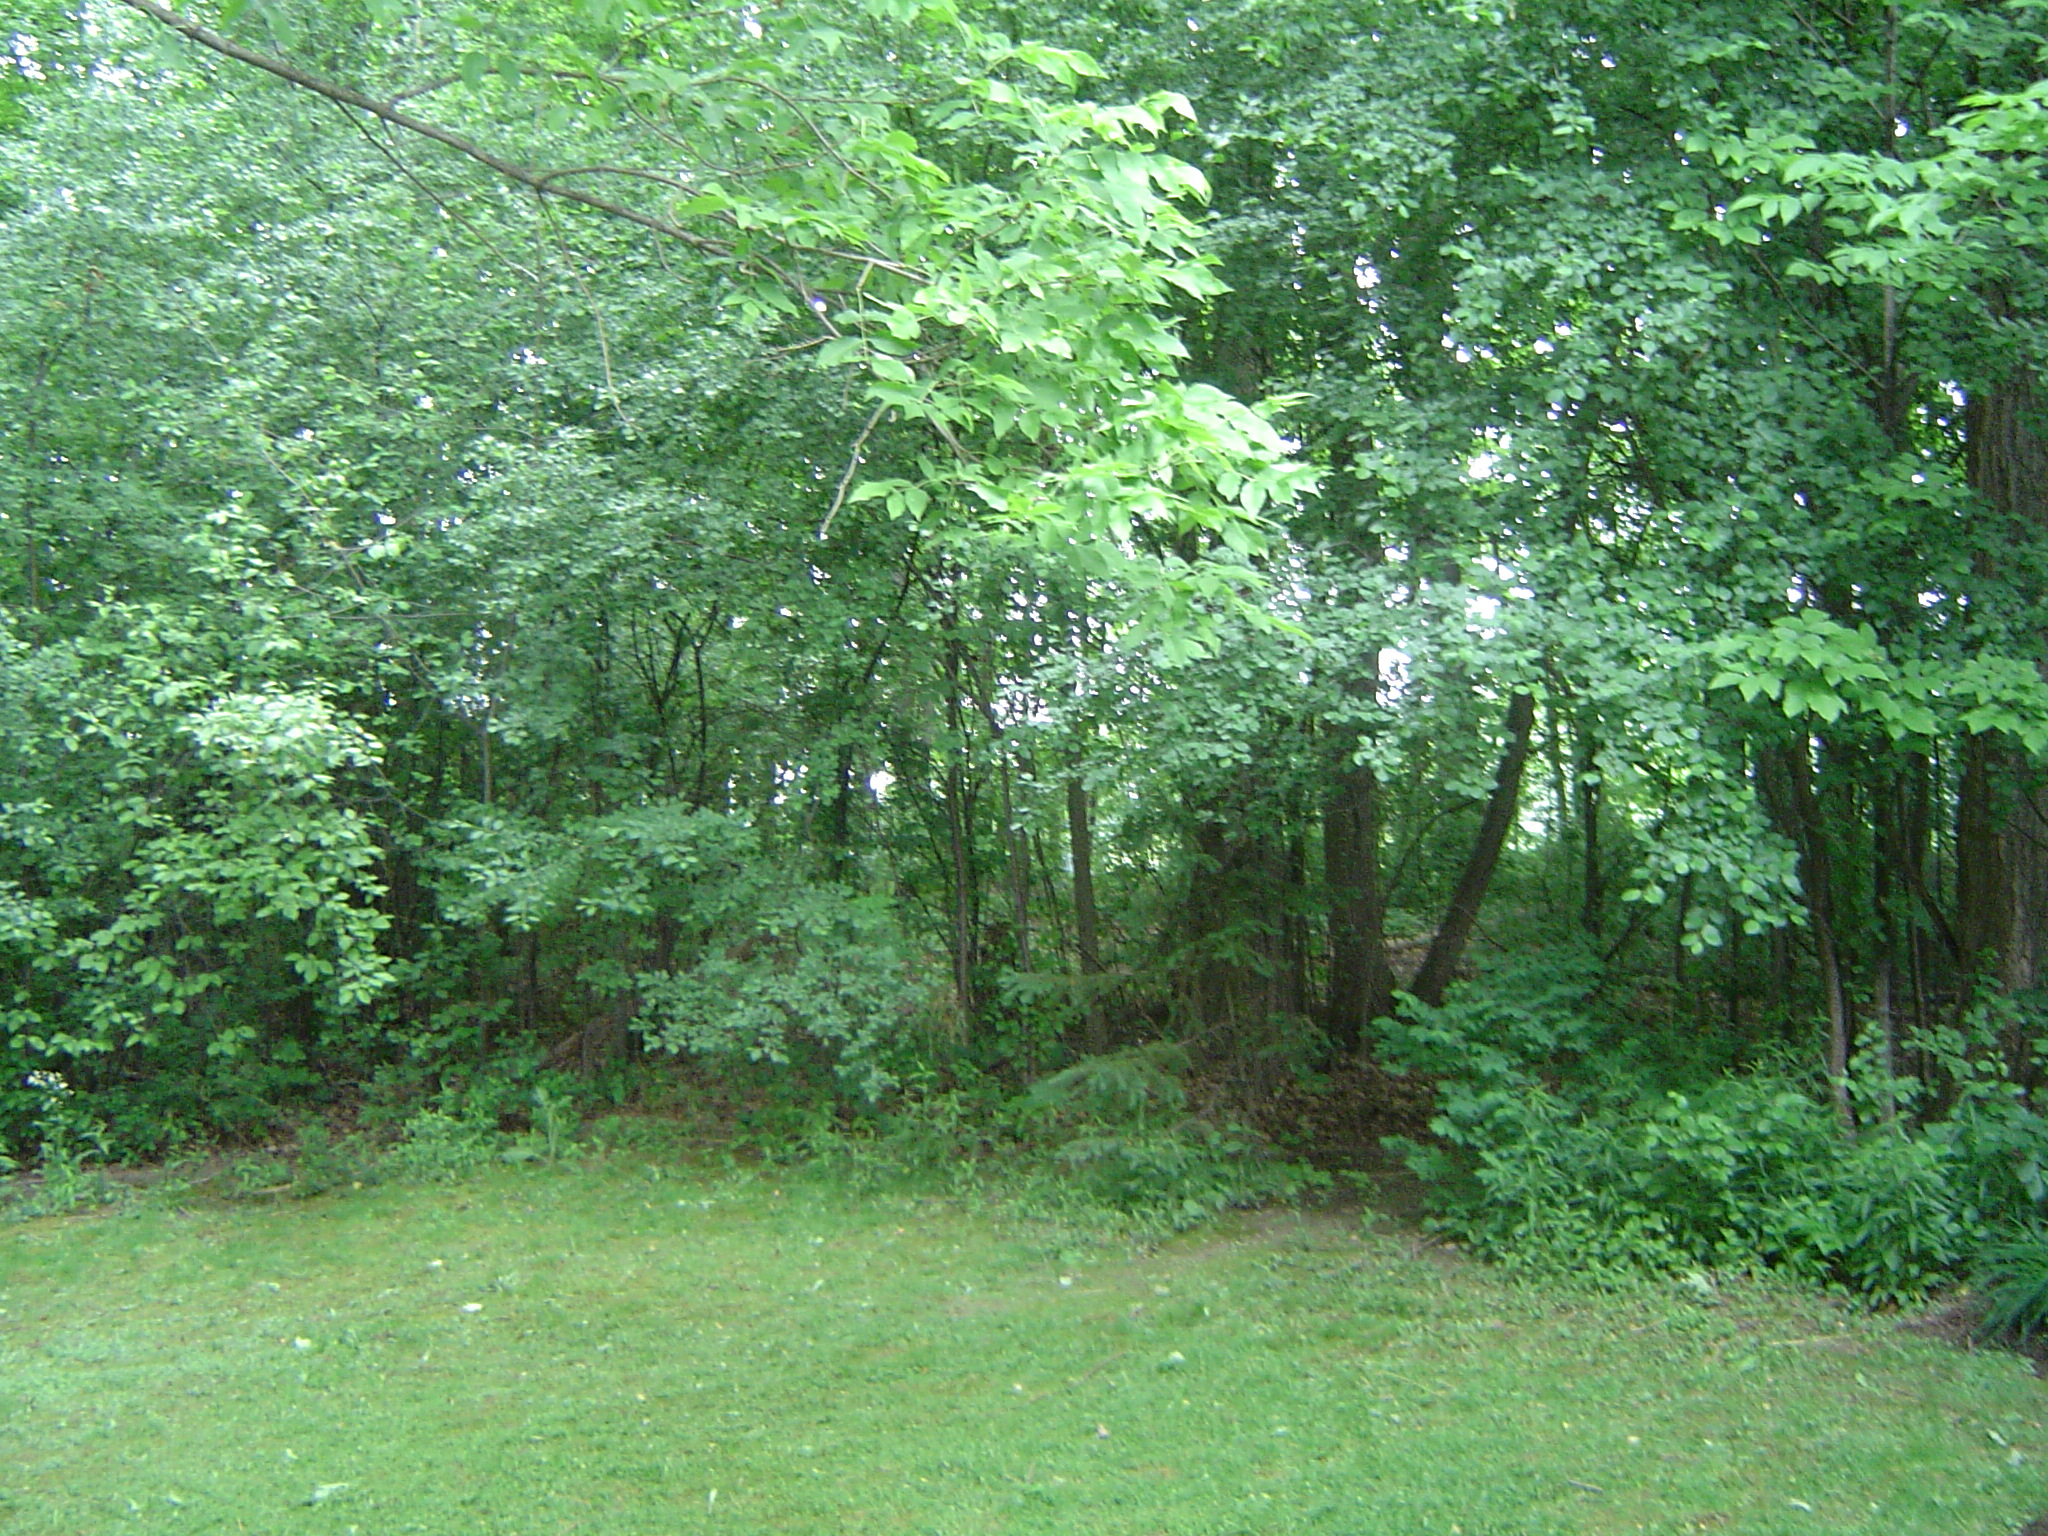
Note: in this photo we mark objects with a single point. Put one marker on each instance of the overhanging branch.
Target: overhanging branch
(348, 96)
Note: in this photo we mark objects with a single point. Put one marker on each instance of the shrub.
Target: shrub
(438, 1146)
(797, 976)
(1182, 1173)
(1110, 1135)
(1116, 1131)
(1549, 1158)
(325, 1162)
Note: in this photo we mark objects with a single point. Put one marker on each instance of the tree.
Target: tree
(1186, 530)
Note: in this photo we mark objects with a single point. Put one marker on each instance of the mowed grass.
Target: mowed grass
(619, 1348)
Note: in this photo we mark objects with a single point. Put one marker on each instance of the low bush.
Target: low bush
(1116, 1131)
(326, 1162)
(1110, 1137)
(1553, 1154)
(440, 1147)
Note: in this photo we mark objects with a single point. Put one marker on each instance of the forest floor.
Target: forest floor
(617, 1346)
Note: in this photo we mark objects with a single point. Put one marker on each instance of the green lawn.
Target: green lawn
(625, 1349)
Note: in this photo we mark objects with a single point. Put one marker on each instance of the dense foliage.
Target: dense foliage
(895, 547)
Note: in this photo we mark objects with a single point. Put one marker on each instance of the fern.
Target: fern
(1123, 1087)
(2014, 1278)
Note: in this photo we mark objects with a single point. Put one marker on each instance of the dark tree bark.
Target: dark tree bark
(2002, 833)
(1294, 984)
(1890, 846)
(1361, 983)
(1586, 783)
(2024, 836)
(1050, 887)
(840, 856)
(1014, 838)
(607, 1033)
(1016, 847)
(1238, 987)
(1980, 868)
(1452, 934)
(2006, 462)
(526, 1003)
(964, 880)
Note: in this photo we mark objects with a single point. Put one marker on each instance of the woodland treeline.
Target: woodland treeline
(895, 544)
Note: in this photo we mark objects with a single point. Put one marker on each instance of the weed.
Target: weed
(263, 1174)
(325, 1163)
(1116, 1132)
(438, 1146)
(555, 1119)
(71, 1148)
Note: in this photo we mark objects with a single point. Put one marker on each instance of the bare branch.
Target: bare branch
(546, 183)
(852, 465)
(604, 346)
(672, 182)
(425, 88)
(397, 163)
(349, 96)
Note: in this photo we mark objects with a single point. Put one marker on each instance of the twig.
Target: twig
(397, 163)
(818, 134)
(604, 346)
(845, 480)
(426, 88)
(657, 177)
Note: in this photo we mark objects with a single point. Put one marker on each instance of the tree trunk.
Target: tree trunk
(1448, 947)
(1235, 991)
(1980, 867)
(963, 876)
(2023, 842)
(1361, 984)
(1882, 1006)
(1016, 847)
(2002, 834)
(839, 816)
(2023, 966)
(1050, 887)
(608, 1031)
(1817, 873)
(526, 983)
(1087, 947)
(1015, 839)
(1890, 852)
(1294, 993)
(1586, 781)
